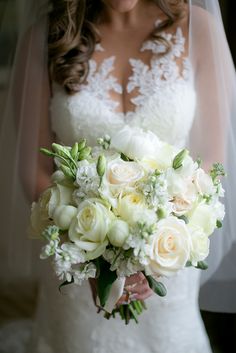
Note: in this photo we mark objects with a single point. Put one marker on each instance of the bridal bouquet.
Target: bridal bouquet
(131, 204)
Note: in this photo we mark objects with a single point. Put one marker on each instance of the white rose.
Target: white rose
(203, 182)
(135, 143)
(132, 209)
(169, 247)
(58, 195)
(90, 226)
(204, 216)
(185, 201)
(120, 172)
(63, 216)
(200, 245)
(118, 233)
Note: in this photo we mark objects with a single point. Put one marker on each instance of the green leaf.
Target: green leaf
(188, 264)
(125, 158)
(219, 224)
(47, 152)
(202, 265)
(179, 158)
(66, 283)
(157, 287)
(184, 218)
(105, 280)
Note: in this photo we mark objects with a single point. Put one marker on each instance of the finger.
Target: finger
(138, 277)
(144, 295)
(139, 288)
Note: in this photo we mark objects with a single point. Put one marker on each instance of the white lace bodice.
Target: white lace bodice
(165, 102)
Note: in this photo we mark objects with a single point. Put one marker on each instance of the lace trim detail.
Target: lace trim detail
(147, 79)
(100, 82)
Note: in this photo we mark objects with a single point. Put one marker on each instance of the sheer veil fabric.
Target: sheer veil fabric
(213, 138)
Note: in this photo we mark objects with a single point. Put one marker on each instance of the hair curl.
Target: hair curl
(73, 35)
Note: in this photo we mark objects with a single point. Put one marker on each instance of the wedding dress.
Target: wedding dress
(165, 104)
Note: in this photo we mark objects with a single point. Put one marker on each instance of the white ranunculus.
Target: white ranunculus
(121, 173)
(90, 226)
(169, 247)
(200, 245)
(204, 216)
(63, 216)
(118, 233)
(136, 143)
(132, 209)
(203, 182)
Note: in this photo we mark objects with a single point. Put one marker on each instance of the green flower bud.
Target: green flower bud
(84, 154)
(101, 165)
(67, 171)
(74, 151)
(81, 145)
(47, 152)
(179, 158)
(60, 150)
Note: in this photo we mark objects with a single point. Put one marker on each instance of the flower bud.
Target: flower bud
(179, 158)
(84, 154)
(63, 216)
(81, 145)
(101, 165)
(118, 233)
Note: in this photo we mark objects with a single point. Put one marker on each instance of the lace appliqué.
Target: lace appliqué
(100, 82)
(163, 70)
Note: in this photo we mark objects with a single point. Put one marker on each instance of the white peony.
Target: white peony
(165, 156)
(169, 247)
(132, 209)
(200, 245)
(118, 233)
(203, 182)
(90, 226)
(204, 216)
(136, 143)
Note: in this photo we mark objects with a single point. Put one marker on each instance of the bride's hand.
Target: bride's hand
(137, 287)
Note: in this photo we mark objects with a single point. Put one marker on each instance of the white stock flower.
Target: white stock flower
(136, 143)
(88, 181)
(90, 226)
(203, 182)
(63, 216)
(219, 210)
(200, 245)
(132, 209)
(118, 233)
(169, 247)
(204, 216)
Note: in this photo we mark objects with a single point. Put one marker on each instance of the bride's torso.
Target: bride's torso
(158, 95)
(149, 90)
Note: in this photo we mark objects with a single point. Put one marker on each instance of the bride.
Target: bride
(142, 63)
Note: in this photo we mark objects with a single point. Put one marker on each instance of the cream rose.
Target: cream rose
(169, 247)
(118, 233)
(204, 217)
(132, 209)
(90, 226)
(200, 245)
(120, 172)
(136, 143)
(203, 182)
